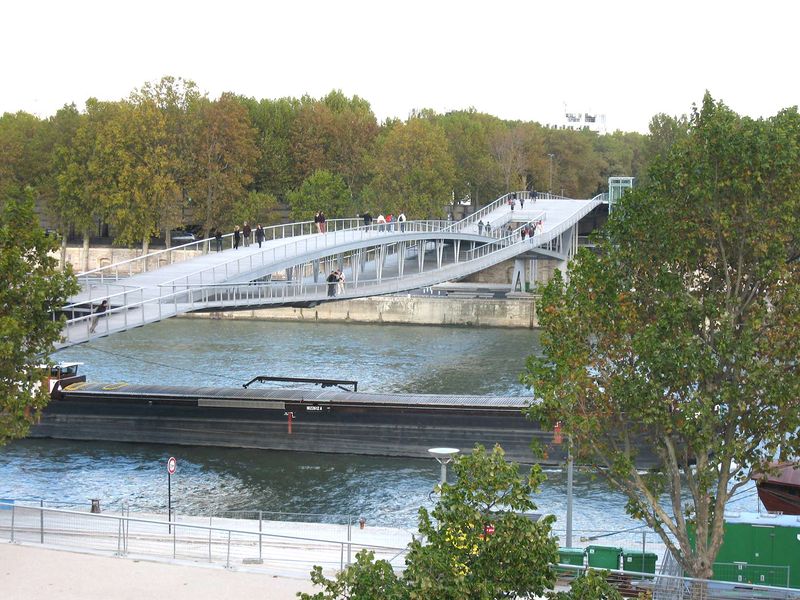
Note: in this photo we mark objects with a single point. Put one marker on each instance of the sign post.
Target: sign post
(172, 464)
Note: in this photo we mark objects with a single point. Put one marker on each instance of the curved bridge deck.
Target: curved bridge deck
(291, 266)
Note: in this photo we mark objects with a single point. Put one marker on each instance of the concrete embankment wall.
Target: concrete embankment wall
(413, 310)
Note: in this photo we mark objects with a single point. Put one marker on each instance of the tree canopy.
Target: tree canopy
(458, 556)
(680, 335)
(168, 156)
(32, 288)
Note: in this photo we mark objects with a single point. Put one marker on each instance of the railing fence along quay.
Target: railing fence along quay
(274, 548)
(255, 544)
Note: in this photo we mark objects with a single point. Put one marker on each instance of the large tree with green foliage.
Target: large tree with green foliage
(32, 289)
(455, 558)
(323, 191)
(681, 334)
(413, 171)
(458, 558)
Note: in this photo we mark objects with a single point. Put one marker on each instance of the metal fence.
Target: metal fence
(279, 542)
(276, 546)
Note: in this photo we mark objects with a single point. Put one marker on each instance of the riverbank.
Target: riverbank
(520, 312)
(39, 572)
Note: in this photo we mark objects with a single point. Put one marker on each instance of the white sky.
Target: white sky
(516, 60)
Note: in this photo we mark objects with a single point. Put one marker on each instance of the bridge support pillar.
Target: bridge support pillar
(518, 278)
(315, 270)
(421, 255)
(568, 244)
(401, 257)
(439, 253)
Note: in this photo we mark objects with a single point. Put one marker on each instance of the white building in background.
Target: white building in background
(583, 120)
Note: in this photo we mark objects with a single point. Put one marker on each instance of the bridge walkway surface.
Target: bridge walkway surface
(291, 266)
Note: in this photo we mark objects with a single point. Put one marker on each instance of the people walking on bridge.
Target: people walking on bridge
(488, 228)
(367, 219)
(259, 234)
(323, 226)
(218, 240)
(237, 237)
(523, 232)
(381, 222)
(316, 222)
(389, 224)
(522, 201)
(246, 231)
(333, 280)
(98, 312)
(401, 218)
(480, 227)
(340, 283)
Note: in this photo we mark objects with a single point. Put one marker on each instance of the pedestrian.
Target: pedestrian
(480, 227)
(389, 224)
(259, 234)
(218, 240)
(523, 231)
(246, 231)
(98, 312)
(401, 218)
(522, 201)
(488, 228)
(367, 219)
(535, 196)
(317, 222)
(340, 283)
(512, 203)
(381, 222)
(323, 225)
(333, 280)
(509, 229)
(237, 237)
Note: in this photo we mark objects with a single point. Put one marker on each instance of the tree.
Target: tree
(322, 191)
(508, 148)
(414, 171)
(459, 559)
(256, 207)
(681, 335)
(225, 156)
(33, 288)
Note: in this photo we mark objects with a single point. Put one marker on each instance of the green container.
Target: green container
(603, 557)
(639, 562)
(571, 556)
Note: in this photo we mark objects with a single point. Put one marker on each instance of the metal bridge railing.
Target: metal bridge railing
(168, 256)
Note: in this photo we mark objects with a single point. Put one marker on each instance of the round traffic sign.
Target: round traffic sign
(171, 465)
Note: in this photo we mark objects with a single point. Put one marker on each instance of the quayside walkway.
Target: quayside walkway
(291, 266)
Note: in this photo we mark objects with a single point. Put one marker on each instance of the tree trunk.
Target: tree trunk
(145, 245)
(62, 260)
(85, 251)
(168, 237)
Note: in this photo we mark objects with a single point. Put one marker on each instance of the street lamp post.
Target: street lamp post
(550, 189)
(443, 456)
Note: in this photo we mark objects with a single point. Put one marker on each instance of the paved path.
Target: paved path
(35, 572)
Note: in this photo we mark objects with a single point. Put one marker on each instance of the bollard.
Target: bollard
(95, 505)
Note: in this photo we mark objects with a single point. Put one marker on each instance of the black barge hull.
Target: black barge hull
(297, 420)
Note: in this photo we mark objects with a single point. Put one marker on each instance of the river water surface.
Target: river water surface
(389, 358)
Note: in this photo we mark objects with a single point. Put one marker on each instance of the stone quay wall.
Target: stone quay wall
(519, 312)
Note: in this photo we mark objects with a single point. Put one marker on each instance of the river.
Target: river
(391, 358)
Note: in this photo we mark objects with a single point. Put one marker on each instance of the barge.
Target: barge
(303, 420)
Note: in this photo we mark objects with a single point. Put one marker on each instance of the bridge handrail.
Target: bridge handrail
(502, 201)
(409, 226)
(204, 244)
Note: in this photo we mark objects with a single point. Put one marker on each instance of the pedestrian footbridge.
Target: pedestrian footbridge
(292, 264)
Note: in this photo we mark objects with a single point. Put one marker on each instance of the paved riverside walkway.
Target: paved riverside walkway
(30, 572)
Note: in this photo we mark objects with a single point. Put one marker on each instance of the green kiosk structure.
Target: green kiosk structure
(760, 549)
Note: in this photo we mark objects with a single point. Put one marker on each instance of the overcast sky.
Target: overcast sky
(517, 60)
